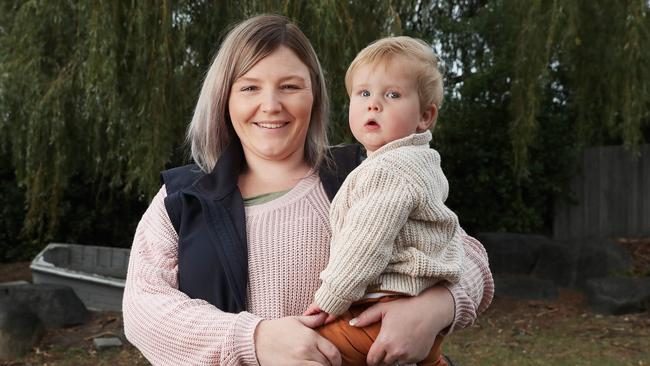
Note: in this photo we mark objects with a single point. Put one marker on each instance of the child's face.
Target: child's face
(385, 105)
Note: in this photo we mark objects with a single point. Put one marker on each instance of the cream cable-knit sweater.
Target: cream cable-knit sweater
(391, 230)
(288, 246)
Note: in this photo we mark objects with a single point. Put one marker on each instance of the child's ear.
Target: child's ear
(428, 118)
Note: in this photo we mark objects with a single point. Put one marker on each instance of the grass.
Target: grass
(536, 333)
(81, 356)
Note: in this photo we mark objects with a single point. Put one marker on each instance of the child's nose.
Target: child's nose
(374, 105)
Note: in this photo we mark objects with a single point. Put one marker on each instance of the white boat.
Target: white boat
(97, 274)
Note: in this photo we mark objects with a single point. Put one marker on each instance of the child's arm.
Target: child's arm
(363, 246)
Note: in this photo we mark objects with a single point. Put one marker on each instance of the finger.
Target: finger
(310, 311)
(389, 360)
(312, 321)
(329, 351)
(320, 358)
(375, 356)
(330, 319)
(369, 316)
(314, 363)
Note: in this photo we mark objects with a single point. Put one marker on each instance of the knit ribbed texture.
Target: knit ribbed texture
(288, 245)
(390, 227)
(166, 325)
(287, 249)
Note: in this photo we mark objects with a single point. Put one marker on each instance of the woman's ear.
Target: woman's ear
(428, 118)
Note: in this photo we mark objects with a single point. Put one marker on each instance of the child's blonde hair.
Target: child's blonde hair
(426, 62)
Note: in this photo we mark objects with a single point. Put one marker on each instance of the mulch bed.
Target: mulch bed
(18, 271)
(639, 249)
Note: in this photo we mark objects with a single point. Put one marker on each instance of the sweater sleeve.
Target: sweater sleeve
(167, 326)
(475, 290)
(362, 247)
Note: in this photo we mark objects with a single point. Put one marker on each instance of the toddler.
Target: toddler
(392, 235)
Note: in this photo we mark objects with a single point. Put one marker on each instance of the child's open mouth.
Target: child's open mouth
(371, 124)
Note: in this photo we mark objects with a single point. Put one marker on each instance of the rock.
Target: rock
(512, 253)
(13, 283)
(524, 287)
(557, 263)
(618, 296)
(106, 342)
(20, 330)
(600, 258)
(55, 305)
(572, 263)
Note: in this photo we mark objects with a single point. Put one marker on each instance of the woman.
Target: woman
(230, 249)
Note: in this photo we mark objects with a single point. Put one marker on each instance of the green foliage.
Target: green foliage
(523, 101)
(95, 98)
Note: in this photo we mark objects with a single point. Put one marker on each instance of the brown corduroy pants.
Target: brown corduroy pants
(354, 343)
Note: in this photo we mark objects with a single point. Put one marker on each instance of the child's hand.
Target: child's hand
(314, 309)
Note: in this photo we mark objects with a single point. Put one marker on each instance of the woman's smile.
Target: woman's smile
(270, 125)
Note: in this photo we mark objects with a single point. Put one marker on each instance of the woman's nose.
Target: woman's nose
(271, 102)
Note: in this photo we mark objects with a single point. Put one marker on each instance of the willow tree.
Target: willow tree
(529, 85)
(95, 96)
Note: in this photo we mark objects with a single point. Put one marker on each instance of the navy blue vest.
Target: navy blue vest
(207, 212)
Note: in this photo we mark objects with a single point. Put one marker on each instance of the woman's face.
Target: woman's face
(270, 107)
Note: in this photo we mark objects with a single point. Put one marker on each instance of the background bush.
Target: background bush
(95, 98)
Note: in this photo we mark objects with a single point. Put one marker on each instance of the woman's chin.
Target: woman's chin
(275, 153)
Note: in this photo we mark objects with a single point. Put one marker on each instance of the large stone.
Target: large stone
(557, 263)
(103, 343)
(524, 287)
(512, 253)
(55, 305)
(600, 258)
(20, 330)
(618, 295)
(572, 263)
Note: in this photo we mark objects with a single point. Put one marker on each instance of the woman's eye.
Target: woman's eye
(392, 95)
(290, 86)
(365, 93)
(248, 88)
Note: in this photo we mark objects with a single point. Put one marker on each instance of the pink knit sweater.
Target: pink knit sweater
(288, 246)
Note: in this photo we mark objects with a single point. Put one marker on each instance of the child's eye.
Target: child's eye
(392, 95)
(364, 93)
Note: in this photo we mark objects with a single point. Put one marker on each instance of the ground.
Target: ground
(511, 332)
(639, 249)
(73, 346)
(561, 332)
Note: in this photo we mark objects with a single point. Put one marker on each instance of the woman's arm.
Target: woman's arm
(167, 326)
(409, 326)
(474, 292)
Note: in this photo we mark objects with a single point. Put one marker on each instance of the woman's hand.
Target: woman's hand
(409, 326)
(290, 341)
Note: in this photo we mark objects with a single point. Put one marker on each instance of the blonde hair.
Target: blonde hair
(211, 131)
(426, 62)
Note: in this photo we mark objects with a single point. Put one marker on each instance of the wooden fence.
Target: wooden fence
(613, 196)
